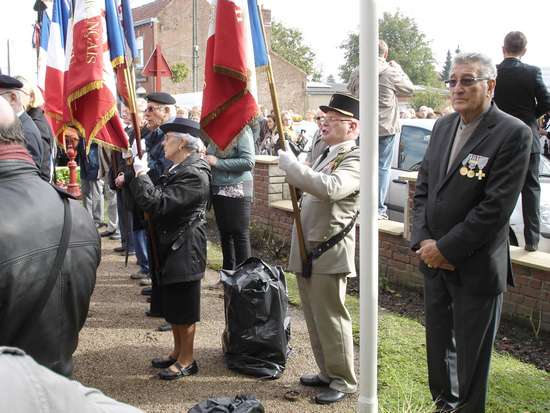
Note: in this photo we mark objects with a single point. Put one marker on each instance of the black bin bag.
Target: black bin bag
(240, 404)
(257, 327)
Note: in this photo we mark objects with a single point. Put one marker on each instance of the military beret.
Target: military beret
(8, 82)
(161, 97)
(183, 125)
(344, 104)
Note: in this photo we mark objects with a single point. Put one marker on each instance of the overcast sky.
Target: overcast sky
(475, 25)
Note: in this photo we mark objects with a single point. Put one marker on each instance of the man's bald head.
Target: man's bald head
(10, 126)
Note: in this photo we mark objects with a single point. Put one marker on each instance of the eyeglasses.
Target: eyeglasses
(465, 81)
(330, 120)
(152, 108)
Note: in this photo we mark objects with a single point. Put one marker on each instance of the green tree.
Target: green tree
(445, 73)
(180, 71)
(289, 44)
(430, 98)
(351, 54)
(407, 45)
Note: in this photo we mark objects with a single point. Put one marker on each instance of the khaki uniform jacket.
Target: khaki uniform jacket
(330, 200)
(392, 82)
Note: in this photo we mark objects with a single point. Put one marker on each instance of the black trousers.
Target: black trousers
(233, 220)
(530, 201)
(460, 332)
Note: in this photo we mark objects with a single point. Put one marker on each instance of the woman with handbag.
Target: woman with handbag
(177, 206)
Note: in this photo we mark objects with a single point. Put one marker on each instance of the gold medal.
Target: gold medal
(463, 171)
(471, 173)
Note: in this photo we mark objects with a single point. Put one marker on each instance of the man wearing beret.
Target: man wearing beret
(330, 204)
(10, 89)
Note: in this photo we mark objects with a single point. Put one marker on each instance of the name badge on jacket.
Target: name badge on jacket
(472, 166)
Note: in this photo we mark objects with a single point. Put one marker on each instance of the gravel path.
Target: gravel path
(118, 341)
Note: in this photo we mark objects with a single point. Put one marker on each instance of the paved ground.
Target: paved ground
(118, 342)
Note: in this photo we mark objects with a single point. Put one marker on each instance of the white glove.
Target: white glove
(286, 158)
(132, 152)
(140, 165)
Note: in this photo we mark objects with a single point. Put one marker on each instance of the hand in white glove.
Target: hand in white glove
(286, 158)
(131, 152)
(140, 165)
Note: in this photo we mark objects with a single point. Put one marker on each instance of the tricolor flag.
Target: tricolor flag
(229, 97)
(90, 84)
(51, 63)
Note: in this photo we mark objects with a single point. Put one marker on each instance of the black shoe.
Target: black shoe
(149, 313)
(165, 327)
(312, 380)
(119, 249)
(106, 233)
(168, 374)
(531, 247)
(147, 291)
(329, 396)
(160, 363)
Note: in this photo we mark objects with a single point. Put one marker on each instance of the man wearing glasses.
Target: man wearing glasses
(10, 89)
(330, 204)
(521, 92)
(467, 187)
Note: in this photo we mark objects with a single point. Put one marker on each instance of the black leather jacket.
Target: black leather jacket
(177, 206)
(31, 214)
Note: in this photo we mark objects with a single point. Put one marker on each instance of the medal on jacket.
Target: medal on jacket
(482, 162)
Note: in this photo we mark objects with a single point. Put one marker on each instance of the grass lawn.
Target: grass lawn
(515, 387)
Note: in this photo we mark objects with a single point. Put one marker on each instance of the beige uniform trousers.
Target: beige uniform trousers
(329, 326)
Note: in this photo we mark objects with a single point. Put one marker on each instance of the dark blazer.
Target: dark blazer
(178, 206)
(37, 115)
(468, 217)
(521, 92)
(33, 141)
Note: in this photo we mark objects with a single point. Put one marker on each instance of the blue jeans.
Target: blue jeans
(385, 151)
(142, 257)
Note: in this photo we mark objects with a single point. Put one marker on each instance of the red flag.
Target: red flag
(229, 97)
(90, 85)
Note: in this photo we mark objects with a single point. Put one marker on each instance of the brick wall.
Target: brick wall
(528, 301)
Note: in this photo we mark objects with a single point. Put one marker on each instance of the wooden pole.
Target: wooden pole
(275, 102)
(130, 83)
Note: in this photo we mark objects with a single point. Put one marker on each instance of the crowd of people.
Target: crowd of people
(158, 193)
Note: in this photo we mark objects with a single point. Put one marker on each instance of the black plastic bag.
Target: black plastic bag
(240, 404)
(257, 327)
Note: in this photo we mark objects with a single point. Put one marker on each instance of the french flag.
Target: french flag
(90, 87)
(230, 91)
(51, 63)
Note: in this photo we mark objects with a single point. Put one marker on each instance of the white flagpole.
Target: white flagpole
(368, 93)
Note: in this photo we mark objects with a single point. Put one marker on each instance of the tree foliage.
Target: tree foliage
(180, 71)
(407, 45)
(446, 72)
(431, 98)
(351, 54)
(289, 44)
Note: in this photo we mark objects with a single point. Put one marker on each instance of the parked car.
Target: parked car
(408, 152)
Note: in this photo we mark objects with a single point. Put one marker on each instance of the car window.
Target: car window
(412, 146)
(544, 167)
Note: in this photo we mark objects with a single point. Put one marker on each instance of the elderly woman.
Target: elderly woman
(177, 206)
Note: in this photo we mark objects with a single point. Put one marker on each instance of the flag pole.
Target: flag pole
(368, 229)
(275, 102)
(132, 106)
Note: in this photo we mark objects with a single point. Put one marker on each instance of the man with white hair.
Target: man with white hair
(10, 89)
(467, 188)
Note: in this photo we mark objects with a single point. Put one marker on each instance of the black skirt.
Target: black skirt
(181, 302)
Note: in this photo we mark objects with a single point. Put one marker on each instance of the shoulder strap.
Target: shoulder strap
(39, 305)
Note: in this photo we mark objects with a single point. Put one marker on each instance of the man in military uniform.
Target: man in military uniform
(329, 208)
(10, 89)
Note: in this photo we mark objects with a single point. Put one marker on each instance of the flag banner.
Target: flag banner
(52, 64)
(261, 58)
(128, 27)
(117, 48)
(229, 95)
(90, 84)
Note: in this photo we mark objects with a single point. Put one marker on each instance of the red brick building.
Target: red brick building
(169, 24)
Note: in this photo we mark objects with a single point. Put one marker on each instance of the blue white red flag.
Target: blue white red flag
(128, 27)
(90, 84)
(52, 64)
(230, 91)
(261, 58)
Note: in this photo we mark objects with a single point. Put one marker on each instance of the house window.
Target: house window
(139, 58)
